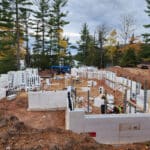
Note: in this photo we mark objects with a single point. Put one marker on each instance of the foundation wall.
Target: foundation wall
(2, 93)
(111, 129)
(47, 100)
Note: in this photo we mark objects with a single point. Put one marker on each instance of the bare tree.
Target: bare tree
(102, 31)
(127, 27)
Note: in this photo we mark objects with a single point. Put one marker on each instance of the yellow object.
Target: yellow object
(63, 43)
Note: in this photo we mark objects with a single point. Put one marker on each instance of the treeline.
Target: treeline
(39, 21)
(103, 48)
(33, 31)
(109, 47)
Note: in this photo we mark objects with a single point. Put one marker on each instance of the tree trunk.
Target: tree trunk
(17, 36)
(27, 45)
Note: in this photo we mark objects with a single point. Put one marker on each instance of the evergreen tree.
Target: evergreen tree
(88, 50)
(26, 22)
(36, 45)
(41, 16)
(6, 26)
(147, 35)
(7, 38)
(129, 59)
(144, 54)
(41, 27)
(18, 7)
(57, 23)
(83, 44)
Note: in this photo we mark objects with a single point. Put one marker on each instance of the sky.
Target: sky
(109, 12)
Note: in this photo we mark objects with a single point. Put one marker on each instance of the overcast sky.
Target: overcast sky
(95, 12)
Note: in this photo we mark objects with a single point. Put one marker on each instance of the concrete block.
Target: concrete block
(11, 97)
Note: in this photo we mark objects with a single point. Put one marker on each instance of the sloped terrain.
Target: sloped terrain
(136, 74)
(16, 135)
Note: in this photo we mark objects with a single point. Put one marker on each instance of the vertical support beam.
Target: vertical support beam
(137, 88)
(130, 97)
(129, 108)
(88, 101)
(145, 95)
(105, 102)
(74, 97)
(75, 93)
(125, 100)
(131, 89)
(136, 93)
(135, 109)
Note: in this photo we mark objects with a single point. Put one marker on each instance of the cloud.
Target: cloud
(72, 36)
(95, 12)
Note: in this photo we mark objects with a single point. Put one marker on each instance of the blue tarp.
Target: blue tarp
(63, 69)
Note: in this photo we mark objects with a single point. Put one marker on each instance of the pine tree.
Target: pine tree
(41, 36)
(41, 16)
(129, 59)
(147, 35)
(57, 23)
(6, 25)
(26, 22)
(7, 38)
(18, 6)
(37, 48)
(83, 43)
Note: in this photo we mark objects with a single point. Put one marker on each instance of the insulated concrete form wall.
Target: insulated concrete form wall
(111, 129)
(2, 93)
(88, 72)
(47, 100)
(3, 81)
(27, 79)
(134, 89)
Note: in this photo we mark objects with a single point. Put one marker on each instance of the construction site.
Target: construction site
(87, 108)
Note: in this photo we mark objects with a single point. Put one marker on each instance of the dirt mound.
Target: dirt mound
(136, 74)
(16, 135)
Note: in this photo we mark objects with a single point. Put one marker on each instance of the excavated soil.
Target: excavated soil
(37, 119)
(25, 130)
(15, 135)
